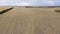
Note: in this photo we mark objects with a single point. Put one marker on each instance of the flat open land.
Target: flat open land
(22, 20)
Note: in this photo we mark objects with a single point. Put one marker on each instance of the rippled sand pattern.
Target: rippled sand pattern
(30, 21)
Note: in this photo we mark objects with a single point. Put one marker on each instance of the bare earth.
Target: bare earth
(30, 21)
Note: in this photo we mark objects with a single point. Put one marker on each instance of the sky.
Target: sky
(29, 2)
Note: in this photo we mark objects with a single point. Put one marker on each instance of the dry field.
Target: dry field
(30, 21)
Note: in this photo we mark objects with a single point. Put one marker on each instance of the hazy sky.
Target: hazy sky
(30, 2)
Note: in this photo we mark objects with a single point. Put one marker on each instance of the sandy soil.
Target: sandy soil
(30, 21)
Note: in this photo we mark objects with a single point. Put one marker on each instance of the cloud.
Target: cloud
(30, 2)
(44, 3)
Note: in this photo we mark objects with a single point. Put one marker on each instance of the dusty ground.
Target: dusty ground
(30, 21)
